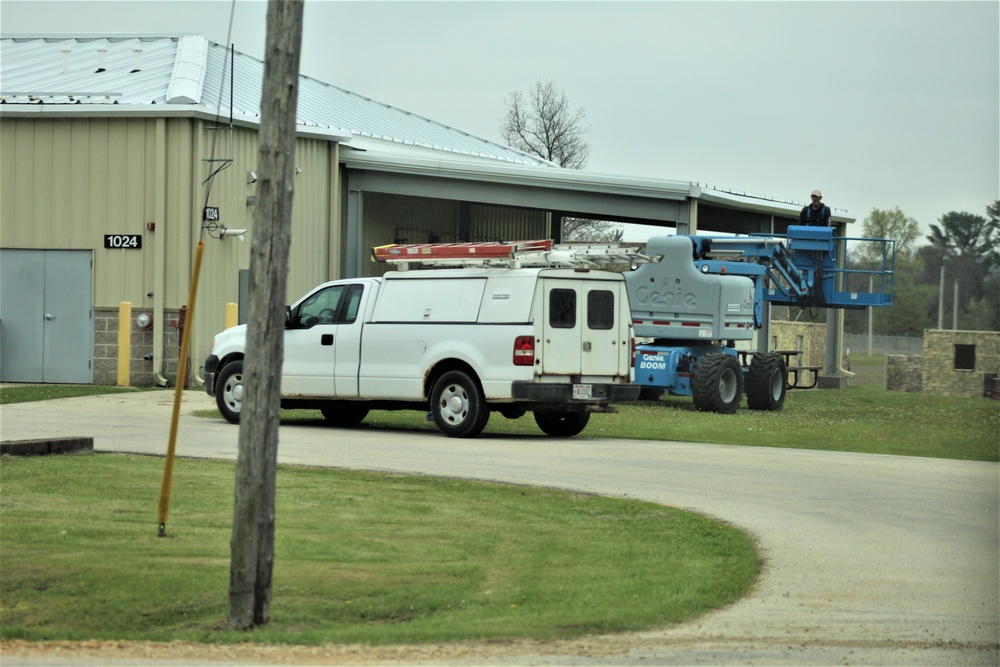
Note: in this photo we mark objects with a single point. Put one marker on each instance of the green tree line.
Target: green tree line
(963, 248)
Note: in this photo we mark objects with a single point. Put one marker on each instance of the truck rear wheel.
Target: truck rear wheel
(344, 414)
(561, 424)
(717, 383)
(766, 382)
(229, 391)
(458, 406)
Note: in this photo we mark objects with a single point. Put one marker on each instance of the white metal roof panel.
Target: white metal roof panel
(190, 70)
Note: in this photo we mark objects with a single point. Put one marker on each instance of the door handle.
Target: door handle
(326, 339)
(50, 316)
(586, 346)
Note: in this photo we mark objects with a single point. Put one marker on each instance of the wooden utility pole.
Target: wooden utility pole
(252, 544)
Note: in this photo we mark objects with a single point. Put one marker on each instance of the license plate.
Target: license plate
(581, 391)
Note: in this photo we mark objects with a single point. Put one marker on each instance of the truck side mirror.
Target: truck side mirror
(288, 317)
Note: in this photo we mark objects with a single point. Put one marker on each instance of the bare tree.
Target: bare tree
(541, 123)
(252, 543)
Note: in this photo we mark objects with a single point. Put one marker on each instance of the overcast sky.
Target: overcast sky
(879, 104)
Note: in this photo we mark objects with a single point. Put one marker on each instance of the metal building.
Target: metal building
(114, 147)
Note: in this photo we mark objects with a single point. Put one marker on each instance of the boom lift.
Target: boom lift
(701, 294)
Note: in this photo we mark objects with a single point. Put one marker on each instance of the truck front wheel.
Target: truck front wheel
(229, 391)
(457, 405)
(717, 383)
(561, 424)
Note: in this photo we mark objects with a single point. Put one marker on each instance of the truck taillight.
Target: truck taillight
(524, 351)
(632, 362)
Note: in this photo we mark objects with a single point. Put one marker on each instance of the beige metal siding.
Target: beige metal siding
(406, 219)
(490, 223)
(67, 182)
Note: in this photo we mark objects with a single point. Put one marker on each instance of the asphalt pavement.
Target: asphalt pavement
(869, 559)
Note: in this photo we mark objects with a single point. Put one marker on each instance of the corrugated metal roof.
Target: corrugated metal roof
(146, 71)
(156, 74)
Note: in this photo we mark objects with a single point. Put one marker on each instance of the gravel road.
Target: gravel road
(870, 559)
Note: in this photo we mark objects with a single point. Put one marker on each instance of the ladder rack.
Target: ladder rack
(507, 254)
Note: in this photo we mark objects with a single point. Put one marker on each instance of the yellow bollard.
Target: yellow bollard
(124, 342)
(232, 315)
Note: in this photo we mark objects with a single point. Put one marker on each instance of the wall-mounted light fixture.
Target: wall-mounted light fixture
(251, 177)
(238, 233)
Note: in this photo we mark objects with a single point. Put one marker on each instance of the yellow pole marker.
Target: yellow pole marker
(232, 315)
(163, 507)
(124, 342)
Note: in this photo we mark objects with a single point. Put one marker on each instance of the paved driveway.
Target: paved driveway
(870, 559)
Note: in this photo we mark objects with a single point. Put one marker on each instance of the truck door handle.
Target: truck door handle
(50, 316)
(586, 346)
(326, 339)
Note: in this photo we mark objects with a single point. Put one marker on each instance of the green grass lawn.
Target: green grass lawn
(865, 419)
(359, 557)
(857, 419)
(375, 558)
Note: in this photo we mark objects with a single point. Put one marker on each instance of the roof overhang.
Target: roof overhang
(198, 112)
(492, 171)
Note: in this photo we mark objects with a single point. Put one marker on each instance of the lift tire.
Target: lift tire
(344, 414)
(766, 382)
(457, 405)
(560, 424)
(717, 383)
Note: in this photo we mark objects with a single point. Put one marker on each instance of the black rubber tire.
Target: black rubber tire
(344, 414)
(559, 424)
(650, 393)
(766, 382)
(229, 391)
(717, 383)
(457, 405)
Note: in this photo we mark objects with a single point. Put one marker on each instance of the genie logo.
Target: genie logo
(677, 298)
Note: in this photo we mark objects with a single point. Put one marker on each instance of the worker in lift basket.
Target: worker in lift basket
(816, 214)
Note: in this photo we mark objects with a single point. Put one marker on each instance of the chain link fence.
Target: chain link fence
(884, 344)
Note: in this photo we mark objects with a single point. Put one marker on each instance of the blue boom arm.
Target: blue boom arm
(802, 267)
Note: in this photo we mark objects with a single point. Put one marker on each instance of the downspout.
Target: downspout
(838, 364)
(193, 238)
(840, 346)
(334, 226)
(159, 248)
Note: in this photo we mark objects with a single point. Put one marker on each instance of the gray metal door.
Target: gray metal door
(46, 327)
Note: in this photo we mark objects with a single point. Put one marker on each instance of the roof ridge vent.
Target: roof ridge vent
(187, 79)
(136, 57)
(102, 55)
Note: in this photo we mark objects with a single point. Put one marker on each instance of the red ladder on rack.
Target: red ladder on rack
(418, 252)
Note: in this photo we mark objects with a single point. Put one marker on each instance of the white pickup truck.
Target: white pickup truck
(457, 343)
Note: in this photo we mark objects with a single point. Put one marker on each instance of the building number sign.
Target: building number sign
(123, 241)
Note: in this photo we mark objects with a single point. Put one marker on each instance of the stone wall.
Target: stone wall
(904, 372)
(808, 337)
(141, 341)
(942, 353)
